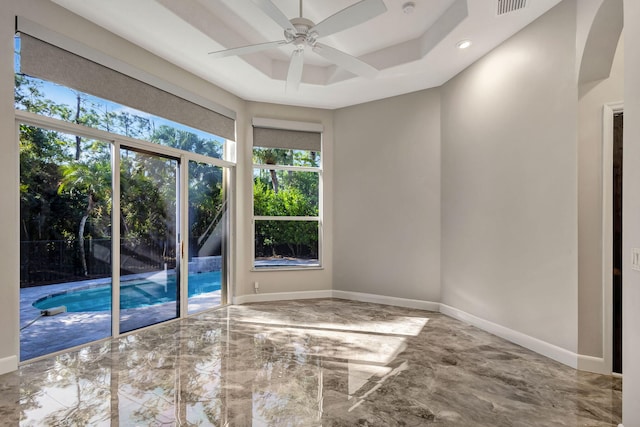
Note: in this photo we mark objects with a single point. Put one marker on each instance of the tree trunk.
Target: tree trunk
(77, 121)
(274, 180)
(83, 222)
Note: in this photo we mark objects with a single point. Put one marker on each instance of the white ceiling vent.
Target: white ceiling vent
(507, 6)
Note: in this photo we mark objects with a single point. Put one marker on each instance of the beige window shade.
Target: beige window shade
(287, 139)
(48, 62)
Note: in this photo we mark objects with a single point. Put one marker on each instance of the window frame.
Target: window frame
(117, 141)
(293, 126)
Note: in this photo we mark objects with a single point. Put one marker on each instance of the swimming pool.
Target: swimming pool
(157, 289)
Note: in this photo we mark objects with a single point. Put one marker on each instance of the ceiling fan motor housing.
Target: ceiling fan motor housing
(300, 34)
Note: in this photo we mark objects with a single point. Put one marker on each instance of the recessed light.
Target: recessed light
(463, 44)
(408, 7)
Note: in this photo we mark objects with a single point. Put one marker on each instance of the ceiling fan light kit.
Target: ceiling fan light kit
(408, 7)
(302, 33)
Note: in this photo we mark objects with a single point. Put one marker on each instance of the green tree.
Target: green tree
(93, 181)
(272, 156)
(299, 237)
(132, 125)
(28, 96)
(185, 140)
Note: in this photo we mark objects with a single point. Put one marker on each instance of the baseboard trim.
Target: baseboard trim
(593, 364)
(534, 344)
(353, 296)
(386, 300)
(281, 296)
(8, 364)
(559, 354)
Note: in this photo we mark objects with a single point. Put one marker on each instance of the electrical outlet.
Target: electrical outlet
(635, 259)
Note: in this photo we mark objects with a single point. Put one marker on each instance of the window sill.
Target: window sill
(286, 268)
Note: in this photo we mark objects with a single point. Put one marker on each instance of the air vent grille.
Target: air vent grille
(506, 6)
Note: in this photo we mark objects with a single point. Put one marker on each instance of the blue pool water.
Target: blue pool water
(133, 294)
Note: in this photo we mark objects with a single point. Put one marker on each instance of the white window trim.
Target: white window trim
(288, 168)
(262, 122)
(86, 132)
(295, 126)
(286, 218)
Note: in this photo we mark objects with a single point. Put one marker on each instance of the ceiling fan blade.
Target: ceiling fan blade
(346, 61)
(274, 13)
(350, 17)
(243, 50)
(294, 76)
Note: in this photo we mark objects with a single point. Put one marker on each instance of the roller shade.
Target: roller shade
(287, 139)
(48, 62)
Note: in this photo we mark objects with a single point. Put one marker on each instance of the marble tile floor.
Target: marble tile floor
(324, 362)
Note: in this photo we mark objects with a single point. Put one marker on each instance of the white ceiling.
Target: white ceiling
(412, 51)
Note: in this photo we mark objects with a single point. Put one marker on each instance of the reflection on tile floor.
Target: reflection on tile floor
(308, 363)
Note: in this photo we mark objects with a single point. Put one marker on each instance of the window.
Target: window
(287, 194)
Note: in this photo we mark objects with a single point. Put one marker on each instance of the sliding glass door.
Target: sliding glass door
(116, 234)
(207, 235)
(149, 274)
(65, 240)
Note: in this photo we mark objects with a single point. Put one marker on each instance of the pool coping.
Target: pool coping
(49, 334)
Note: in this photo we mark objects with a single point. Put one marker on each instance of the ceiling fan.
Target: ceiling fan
(303, 33)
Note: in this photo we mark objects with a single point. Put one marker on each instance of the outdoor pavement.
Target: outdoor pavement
(49, 334)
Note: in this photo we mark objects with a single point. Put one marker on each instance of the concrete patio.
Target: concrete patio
(48, 334)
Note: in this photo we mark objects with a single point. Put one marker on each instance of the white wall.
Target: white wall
(592, 97)
(387, 197)
(9, 215)
(586, 12)
(599, 23)
(281, 281)
(509, 183)
(631, 213)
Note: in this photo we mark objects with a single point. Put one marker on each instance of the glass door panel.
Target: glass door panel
(149, 291)
(65, 241)
(207, 236)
